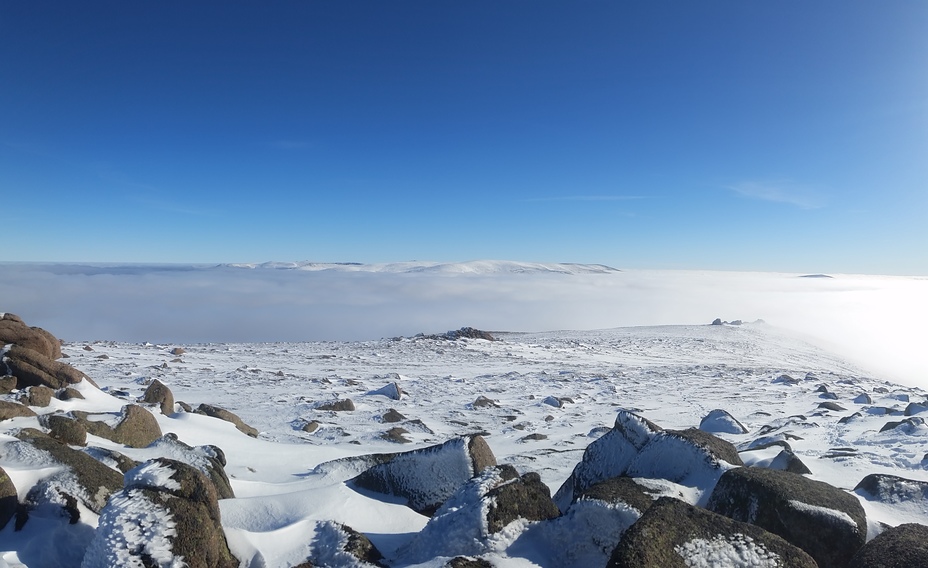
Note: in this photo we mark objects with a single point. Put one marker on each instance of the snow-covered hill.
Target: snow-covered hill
(538, 399)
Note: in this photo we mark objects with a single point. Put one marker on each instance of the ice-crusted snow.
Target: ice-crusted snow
(130, 525)
(151, 474)
(735, 551)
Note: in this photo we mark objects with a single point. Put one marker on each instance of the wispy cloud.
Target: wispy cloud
(780, 192)
(586, 198)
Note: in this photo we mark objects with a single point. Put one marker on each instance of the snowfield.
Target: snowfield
(546, 397)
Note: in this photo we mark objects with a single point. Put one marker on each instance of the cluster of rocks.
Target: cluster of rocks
(463, 333)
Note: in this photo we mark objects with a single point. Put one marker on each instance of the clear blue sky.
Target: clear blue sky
(781, 136)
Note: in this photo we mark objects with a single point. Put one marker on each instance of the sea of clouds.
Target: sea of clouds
(877, 322)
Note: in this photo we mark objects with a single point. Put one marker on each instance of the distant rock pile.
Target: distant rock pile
(463, 333)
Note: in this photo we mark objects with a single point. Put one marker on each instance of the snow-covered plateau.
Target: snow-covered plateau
(312, 477)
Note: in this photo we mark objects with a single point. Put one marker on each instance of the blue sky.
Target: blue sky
(725, 135)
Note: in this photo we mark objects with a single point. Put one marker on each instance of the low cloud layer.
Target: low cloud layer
(876, 322)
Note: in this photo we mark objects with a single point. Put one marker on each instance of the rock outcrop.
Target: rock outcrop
(904, 545)
(223, 414)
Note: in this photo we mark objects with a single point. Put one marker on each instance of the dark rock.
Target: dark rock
(863, 398)
(717, 321)
(396, 435)
(13, 330)
(720, 421)
(178, 351)
(8, 499)
(223, 414)
(32, 368)
(524, 498)
(427, 477)
(622, 490)
(786, 380)
(137, 427)
(466, 562)
(831, 406)
(392, 415)
(188, 501)
(111, 458)
(38, 396)
(184, 406)
(310, 426)
(463, 333)
(534, 437)
(673, 534)
(66, 429)
(828, 395)
(823, 520)
(344, 405)
(158, 393)
(13, 410)
(903, 546)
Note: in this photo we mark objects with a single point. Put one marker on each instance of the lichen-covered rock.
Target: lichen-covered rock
(14, 330)
(720, 421)
(823, 520)
(136, 427)
(674, 534)
(427, 477)
(158, 393)
(8, 499)
(32, 368)
(607, 457)
(905, 545)
(13, 410)
(7, 384)
(69, 393)
(223, 414)
(66, 429)
(209, 460)
(167, 515)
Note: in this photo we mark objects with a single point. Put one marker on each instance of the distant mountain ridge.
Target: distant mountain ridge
(470, 267)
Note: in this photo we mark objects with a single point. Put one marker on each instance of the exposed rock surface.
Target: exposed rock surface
(891, 489)
(136, 427)
(344, 405)
(902, 546)
(158, 393)
(33, 368)
(14, 330)
(66, 429)
(525, 497)
(223, 414)
(823, 520)
(674, 534)
(13, 410)
(8, 499)
(39, 396)
(428, 476)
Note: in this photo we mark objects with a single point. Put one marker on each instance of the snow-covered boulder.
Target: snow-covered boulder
(14, 410)
(167, 515)
(427, 477)
(904, 545)
(891, 489)
(389, 390)
(608, 456)
(335, 544)
(823, 520)
(720, 421)
(674, 534)
(209, 460)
